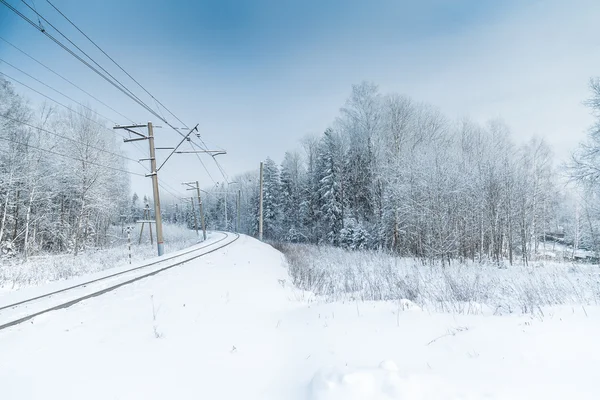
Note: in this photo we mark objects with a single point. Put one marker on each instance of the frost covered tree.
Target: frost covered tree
(291, 197)
(584, 168)
(585, 163)
(330, 187)
(396, 174)
(87, 180)
(271, 201)
(50, 202)
(310, 206)
(136, 210)
(360, 122)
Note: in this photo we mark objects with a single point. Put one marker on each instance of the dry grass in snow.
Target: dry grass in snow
(336, 274)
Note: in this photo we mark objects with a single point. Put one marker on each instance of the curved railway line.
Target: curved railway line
(64, 299)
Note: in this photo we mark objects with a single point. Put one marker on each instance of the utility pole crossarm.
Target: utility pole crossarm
(260, 205)
(186, 137)
(128, 128)
(134, 139)
(211, 152)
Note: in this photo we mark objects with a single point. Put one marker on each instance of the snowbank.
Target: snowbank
(383, 383)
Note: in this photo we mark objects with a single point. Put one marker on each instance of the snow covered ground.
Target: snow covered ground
(13, 296)
(230, 326)
(16, 273)
(20, 304)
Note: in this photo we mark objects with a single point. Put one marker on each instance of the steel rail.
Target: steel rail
(107, 276)
(112, 287)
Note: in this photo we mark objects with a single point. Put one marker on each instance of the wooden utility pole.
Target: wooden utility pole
(201, 211)
(153, 172)
(195, 218)
(238, 206)
(196, 186)
(260, 206)
(226, 224)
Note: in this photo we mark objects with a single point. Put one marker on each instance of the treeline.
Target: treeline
(61, 184)
(392, 173)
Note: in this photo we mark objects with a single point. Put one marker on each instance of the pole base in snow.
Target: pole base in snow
(161, 249)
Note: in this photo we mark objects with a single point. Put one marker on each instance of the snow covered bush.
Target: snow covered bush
(353, 236)
(338, 274)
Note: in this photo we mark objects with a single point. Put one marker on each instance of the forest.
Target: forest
(62, 184)
(390, 173)
(395, 174)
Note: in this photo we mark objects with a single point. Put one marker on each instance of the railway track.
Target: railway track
(24, 310)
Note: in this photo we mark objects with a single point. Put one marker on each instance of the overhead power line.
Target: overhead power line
(68, 138)
(177, 196)
(64, 79)
(225, 176)
(67, 156)
(41, 29)
(74, 85)
(156, 101)
(223, 173)
(117, 85)
(219, 167)
(55, 90)
(120, 85)
(55, 101)
(117, 64)
(202, 163)
(103, 73)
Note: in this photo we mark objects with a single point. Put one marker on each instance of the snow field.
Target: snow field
(445, 356)
(231, 326)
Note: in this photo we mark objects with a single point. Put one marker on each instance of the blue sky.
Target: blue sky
(259, 75)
